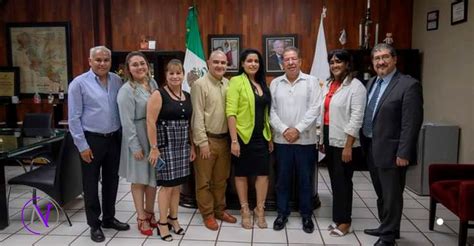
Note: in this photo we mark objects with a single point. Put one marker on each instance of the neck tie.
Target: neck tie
(369, 111)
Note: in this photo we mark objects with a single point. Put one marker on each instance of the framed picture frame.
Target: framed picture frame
(230, 44)
(459, 12)
(9, 83)
(432, 18)
(42, 51)
(273, 46)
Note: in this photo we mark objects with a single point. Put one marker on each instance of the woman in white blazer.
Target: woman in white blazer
(344, 99)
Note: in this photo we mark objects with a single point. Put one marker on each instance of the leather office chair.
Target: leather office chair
(453, 186)
(35, 125)
(61, 181)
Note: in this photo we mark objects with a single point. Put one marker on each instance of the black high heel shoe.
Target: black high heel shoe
(180, 231)
(167, 238)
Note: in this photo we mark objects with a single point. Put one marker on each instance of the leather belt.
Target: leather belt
(222, 135)
(103, 135)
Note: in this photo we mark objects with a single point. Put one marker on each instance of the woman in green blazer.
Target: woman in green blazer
(247, 105)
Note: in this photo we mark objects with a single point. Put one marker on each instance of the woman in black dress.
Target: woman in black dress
(247, 109)
(168, 124)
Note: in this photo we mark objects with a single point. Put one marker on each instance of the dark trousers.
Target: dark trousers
(106, 151)
(341, 184)
(389, 184)
(302, 158)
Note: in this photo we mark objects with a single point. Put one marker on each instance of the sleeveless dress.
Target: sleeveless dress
(254, 159)
(173, 139)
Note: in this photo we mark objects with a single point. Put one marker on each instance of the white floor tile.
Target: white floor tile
(77, 228)
(86, 241)
(79, 216)
(13, 227)
(221, 243)
(362, 213)
(269, 236)
(200, 233)
(416, 213)
(22, 240)
(366, 193)
(323, 212)
(361, 224)
(125, 206)
(407, 226)
(413, 238)
(3, 236)
(364, 238)
(126, 241)
(234, 234)
(445, 239)
(197, 243)
(55, 240)
(299, 236)
(423, 226)
(370, 202)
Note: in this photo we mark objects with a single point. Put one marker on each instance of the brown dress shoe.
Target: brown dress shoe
(211, 223)
(226, 217)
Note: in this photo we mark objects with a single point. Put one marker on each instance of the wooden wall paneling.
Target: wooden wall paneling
(119, 23)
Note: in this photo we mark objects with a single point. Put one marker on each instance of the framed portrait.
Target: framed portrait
(432, 20)
(42, 51)
(9, 83)
(230, 45)
(458, 12)
(273, 46)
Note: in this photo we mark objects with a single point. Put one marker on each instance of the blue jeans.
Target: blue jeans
(291, 158)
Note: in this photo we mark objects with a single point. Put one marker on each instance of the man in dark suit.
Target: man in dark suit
(392, 121)
(275, 61)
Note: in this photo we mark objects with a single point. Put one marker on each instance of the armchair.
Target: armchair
(453, 186)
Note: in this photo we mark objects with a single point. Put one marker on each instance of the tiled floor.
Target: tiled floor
(414, 229)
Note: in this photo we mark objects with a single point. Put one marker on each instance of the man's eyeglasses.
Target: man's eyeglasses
(384, 58)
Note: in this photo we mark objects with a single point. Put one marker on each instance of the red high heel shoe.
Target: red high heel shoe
(141, 223)
(151, 219)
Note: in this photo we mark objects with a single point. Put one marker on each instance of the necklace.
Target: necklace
(179, 97)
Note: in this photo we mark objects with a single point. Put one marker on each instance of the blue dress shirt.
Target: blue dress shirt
(92, 107)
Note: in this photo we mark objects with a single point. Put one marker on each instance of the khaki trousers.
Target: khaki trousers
(211, 177)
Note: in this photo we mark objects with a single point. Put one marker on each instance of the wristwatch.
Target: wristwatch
(234, 141)
(154, 146)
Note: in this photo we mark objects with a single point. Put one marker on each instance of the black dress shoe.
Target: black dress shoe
(115, 224)
(381, 242)
(372, 232)
(280, 222)
(376, 233)
(97, 235)
(308, 225)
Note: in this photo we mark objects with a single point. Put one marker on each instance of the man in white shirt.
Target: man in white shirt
(296, 101)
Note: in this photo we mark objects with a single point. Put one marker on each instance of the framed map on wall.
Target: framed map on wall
(43, 53)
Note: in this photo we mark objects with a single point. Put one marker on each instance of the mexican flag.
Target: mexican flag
(194, 62)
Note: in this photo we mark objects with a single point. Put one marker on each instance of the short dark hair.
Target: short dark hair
(344, 56)
(383, 46)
